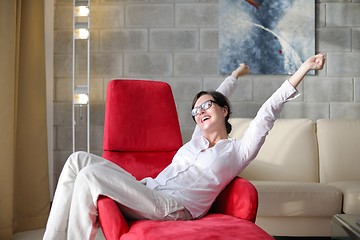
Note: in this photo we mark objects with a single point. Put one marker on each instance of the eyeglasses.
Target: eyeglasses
(204, 106)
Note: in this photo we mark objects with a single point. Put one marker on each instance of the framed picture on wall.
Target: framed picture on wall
(271, 36)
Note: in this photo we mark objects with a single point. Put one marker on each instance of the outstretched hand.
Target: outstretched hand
(242, 70)
(315, 62)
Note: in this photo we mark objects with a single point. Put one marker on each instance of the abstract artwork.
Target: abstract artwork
(271, 36)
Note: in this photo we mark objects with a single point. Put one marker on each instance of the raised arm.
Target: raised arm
(254, 136)
(313, 63)
(228, 86)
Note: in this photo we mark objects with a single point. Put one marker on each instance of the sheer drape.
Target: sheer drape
(24, 187)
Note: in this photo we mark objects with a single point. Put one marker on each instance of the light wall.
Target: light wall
(177, 42)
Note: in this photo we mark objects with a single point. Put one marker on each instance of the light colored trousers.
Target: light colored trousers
(86, 176)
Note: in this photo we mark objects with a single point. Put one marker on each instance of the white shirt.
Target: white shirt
(198, 173)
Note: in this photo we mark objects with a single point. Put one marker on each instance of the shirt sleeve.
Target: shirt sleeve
(254, 136)
(227, 87)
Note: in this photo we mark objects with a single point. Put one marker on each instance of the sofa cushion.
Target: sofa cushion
(351, 195)
(339, 149)
(212, 226)
(289, 153)
(296, 199)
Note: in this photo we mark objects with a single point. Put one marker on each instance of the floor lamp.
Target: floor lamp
(81, 91)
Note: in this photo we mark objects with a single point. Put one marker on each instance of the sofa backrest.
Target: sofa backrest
(339, 149)
(289, 153)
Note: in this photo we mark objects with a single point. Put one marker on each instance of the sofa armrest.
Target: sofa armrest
(238, 199)
(111, 220)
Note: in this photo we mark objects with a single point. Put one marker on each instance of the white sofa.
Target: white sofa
(306, 172)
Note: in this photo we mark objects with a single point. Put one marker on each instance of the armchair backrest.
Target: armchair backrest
(141, 129)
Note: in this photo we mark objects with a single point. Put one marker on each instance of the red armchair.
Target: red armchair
(142, 134)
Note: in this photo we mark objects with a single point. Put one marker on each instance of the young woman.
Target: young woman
(185, 189)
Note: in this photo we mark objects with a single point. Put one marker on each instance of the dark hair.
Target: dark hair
(220, 100)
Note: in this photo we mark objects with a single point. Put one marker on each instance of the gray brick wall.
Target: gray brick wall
(177, 42)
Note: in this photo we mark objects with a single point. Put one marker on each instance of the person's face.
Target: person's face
(211, 119)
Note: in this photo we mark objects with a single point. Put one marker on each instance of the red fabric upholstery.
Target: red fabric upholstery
(141, 164)
(142, 134)
(111, 220)
(212, 226)
(238, 199)
(158, 127)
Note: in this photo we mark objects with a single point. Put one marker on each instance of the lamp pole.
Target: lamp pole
(81, 93)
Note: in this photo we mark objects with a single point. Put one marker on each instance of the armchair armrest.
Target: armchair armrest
(238, 199)
(111, 220)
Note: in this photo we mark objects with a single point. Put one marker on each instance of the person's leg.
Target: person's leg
(58, 219)
(134, 199)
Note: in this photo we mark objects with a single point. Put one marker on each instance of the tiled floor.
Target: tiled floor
(38, 234)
